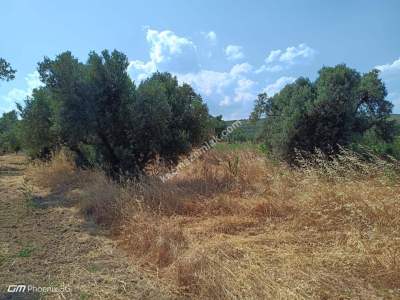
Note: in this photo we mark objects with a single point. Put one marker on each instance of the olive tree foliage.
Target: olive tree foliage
(6, 71)
(95, 110)
(9, 130)
(171, 118)
(217, 124)
(9, 141)
(260, 107)
(337, 108)
(38, 134)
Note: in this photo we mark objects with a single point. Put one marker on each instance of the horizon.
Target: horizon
(227, 62)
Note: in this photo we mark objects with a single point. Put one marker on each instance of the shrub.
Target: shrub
(9, 130)
(95, 110)
(339, 106)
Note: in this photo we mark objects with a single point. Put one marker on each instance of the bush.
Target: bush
(95, 110)
(38, 132)
(340, 106)
(372, 142)
(9, 128)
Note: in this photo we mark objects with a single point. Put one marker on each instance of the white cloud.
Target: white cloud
(165, 43)
(144, 69)
(241, 69)
(225, 102)
(278, 60)
(243, 91)
(275, 87)
(163, 46)
(273, 56)
(226, 91)
(15, 95)
(234, 52)
(33, 81)
(390, 73)
(18, 95)
(272, 69)
(210, 36)
(394, 66)
(293, 53)
(230, 90)
(208, 82)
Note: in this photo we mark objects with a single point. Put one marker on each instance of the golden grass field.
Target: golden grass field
(235, 225)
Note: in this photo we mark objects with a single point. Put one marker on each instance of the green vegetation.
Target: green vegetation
(9, 131)
(84, 296)
(26, 251)
(28, 194)
(96, 111)
(227, 147)
(340, 108)
(93, 268)
(6, 71)
(249, 131)
(9, 121)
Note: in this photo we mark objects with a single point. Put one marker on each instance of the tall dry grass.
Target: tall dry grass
(58, 175)
(234, 225)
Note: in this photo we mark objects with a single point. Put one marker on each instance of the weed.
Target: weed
(26, 251)
(28, 195)
(84, 296)
(92, 268)
(3, 258)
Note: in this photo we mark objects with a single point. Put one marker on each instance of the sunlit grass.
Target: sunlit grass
(236, 225)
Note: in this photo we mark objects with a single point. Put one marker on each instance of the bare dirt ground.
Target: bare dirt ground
(53, 246)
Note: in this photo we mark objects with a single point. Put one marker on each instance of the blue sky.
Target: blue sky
(229, 51)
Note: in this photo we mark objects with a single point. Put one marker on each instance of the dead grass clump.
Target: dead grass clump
(154, 195)
(223, 271)
(97, 196)
(203, 188)
(234, 225)
(233, 172)
(347, 164)
(99, 199)
(364, 205)
(156, 241)
(217, 206)
(59, 174)
(273, 209)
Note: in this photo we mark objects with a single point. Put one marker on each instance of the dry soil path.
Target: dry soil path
(54, 247)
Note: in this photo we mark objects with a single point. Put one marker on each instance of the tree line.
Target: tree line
(94, 109)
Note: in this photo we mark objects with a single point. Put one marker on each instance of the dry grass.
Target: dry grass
(235, 226)
(58, 175)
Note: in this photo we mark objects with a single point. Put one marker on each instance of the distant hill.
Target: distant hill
(396, 117)
(250, 129)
